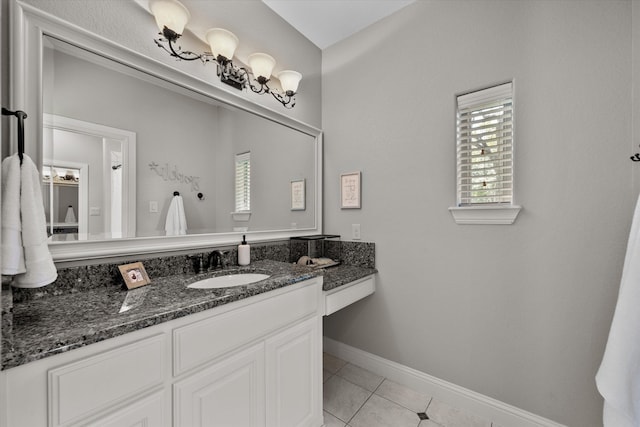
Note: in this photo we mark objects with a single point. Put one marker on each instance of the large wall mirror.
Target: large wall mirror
(120, 134)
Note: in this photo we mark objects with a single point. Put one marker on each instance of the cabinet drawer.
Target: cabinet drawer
(89, 386)
(343, 296)
(207, 339)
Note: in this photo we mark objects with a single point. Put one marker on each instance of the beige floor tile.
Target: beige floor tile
(365, 379)
(380, 412)
(332, 363)
(326, 375)
(342, 399)
(429, 423)
(410, 399)
(331, 421)
(447, 415)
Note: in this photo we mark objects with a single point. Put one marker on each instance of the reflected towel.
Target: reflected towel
(27, 251)
(176, 223)
(618, 378)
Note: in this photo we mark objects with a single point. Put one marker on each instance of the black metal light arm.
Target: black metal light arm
(238, 77)
(170, 37)
(286, 100)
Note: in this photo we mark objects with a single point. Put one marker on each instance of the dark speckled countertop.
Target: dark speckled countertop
(47, 326)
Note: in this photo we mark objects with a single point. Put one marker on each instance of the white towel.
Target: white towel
(27, 252)
(12, 251)
(176, 223)
(618, 378)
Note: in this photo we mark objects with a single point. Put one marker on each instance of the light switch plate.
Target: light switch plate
(355, 231)
(94, 211)
(153, 206)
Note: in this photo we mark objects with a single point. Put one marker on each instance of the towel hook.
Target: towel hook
(21, 115)
(176, 193)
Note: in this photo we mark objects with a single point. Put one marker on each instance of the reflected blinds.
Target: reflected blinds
(485, 146)
(243, 182)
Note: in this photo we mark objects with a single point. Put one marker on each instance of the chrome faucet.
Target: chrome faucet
(216, 259)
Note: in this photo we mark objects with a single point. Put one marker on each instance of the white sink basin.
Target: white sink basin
(228, 281)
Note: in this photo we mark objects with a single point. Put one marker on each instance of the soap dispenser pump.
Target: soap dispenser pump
(244, 254)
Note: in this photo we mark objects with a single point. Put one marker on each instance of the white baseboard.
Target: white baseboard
(478, 404)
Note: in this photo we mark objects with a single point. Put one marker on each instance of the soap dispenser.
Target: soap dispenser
(244, 254)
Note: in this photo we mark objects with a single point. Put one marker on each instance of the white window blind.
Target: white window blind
(243, 182)
(485, 146)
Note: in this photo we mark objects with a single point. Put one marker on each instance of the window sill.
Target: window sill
(492, 215)
(241, 216)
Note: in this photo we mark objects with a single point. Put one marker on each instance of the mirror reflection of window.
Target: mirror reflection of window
(243, 182)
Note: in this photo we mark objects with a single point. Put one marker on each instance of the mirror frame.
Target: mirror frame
(28, 26)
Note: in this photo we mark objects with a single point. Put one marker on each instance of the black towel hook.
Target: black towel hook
(176, 193)
(21, 115)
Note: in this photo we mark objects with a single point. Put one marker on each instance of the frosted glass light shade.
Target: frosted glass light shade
(170, 13)
(289, 80)
(261, 65)
(222, 42)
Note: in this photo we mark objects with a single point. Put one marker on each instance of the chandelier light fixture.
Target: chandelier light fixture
(172, 17)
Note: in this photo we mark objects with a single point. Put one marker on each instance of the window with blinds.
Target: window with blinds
(485, 146)
(243, 182)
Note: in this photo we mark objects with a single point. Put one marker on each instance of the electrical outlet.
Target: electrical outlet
(94, 211)
(153, 206)
(355, 231)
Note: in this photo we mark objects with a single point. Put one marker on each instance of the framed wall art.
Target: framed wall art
(350, 186)
(298, 196)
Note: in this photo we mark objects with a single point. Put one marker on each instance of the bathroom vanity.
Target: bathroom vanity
(241, 356)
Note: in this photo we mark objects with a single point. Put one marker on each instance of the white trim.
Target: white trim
(489, 93)
(496, 411)
(241, 215)
(128, 140)
(488, 215)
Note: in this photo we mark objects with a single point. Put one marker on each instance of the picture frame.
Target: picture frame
(298, 195)
(350, 187)
(134, 275)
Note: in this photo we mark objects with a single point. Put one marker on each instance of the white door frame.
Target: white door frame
(128, 140)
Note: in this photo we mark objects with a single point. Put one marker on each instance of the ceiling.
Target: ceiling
(326, 22)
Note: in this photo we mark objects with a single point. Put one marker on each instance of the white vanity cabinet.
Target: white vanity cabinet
(253, 362)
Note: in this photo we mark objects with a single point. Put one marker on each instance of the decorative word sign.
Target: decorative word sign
(171, 173)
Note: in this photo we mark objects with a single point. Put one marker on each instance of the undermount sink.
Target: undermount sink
(228, 281)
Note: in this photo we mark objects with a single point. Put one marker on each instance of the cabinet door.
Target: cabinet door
(294, 376)
(227, 394)
(149, 411)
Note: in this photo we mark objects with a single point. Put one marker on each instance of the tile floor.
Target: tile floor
(355, 397)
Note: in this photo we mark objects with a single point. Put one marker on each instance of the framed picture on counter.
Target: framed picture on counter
(134, 275)
(350, 184)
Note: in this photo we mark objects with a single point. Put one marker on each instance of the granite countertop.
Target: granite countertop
(340, 275)
(56, 324)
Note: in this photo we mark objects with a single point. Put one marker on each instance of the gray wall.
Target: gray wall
(520, 313)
